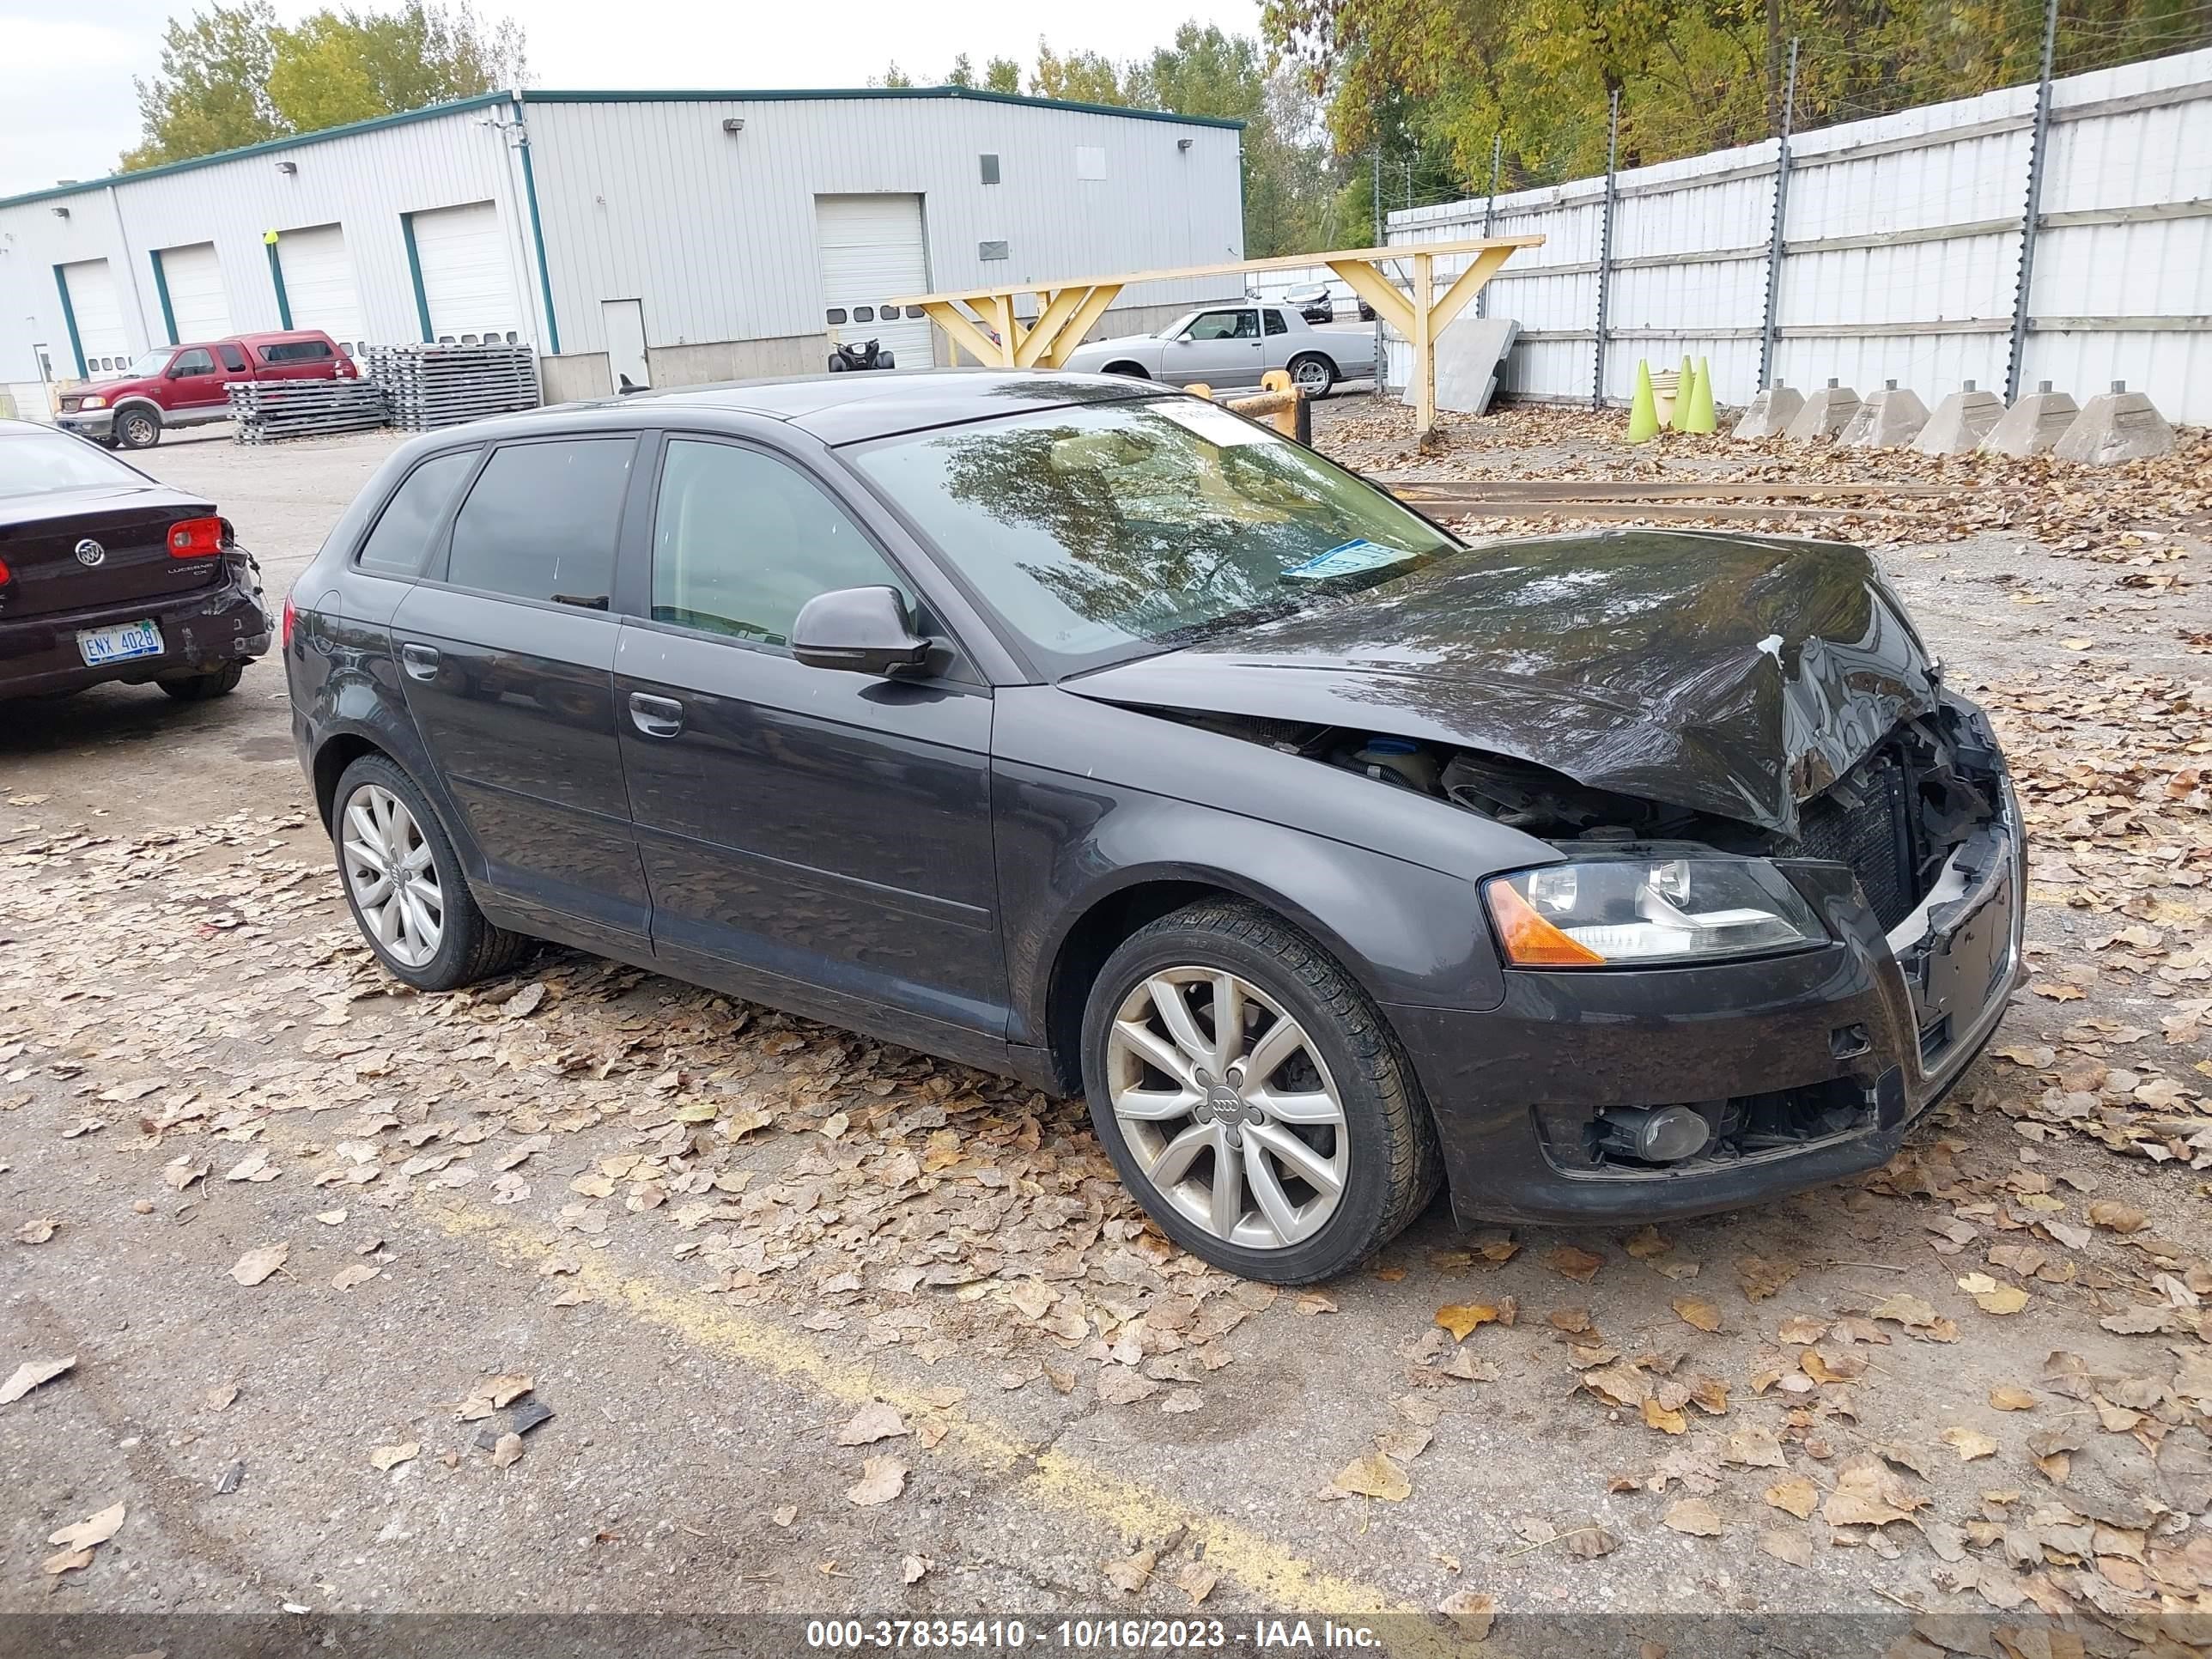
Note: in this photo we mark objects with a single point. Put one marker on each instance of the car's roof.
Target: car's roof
(840, 409)
(14, 429)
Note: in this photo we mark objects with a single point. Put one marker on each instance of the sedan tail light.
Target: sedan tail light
(291, 618)
(4, 573)
(196, 538)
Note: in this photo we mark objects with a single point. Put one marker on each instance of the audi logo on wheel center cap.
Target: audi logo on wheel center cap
(90, 552)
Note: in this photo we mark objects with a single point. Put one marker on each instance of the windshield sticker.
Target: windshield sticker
(1217, 426)
(1345, 559)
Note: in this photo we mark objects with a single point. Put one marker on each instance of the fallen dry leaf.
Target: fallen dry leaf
(882, 1479)
(358, 1273)
(1970, 1443)
(37, 1231)
(92, 1532)
(913, 1568)
(1374, 1476)
(257, 1265)
(506, 1450)
(1799, 1496)
(1786, 1545)
(1992, 1298)
(2007, 1398)
(1472, 1612)
(1460, 1318)
(2116, 1218)
(1133, 1573)
(1572, 1263)
(29, 1375)
(391, 1457)
(1196, 1580)
(1696, 1310)
(872, 1422)
(1761, 1277)
(1695, 1516)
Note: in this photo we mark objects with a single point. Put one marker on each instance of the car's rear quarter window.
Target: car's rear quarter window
(401, 540)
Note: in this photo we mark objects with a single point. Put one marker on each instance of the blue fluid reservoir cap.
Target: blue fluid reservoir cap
(1391, 746)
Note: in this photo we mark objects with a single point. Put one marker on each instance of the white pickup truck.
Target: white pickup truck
(1233, 345)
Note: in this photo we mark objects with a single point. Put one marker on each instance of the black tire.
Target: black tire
(1134, 371)
(1395, 1165)
(137, 427)
(199, 688)
(1311, 360)
(471, 948)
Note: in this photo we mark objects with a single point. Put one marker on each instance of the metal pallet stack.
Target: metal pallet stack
(263, 411)
(435, 386)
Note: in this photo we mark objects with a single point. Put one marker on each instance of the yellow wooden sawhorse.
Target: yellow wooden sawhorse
(983, 321)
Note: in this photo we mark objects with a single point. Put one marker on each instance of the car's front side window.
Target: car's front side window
(541, 519)
(401, 540)
(1216, 326)
(195, 362)
(741, 541)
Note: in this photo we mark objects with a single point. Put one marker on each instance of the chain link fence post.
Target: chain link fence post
(1776, 248)
(1605, 247)
(1490, 213)
(2031, 218)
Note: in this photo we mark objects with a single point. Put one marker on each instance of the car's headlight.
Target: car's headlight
(1639, 911)
(93, 403)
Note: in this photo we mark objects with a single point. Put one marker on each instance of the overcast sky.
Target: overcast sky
(67, 109)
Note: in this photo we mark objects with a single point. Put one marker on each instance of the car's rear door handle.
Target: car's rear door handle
(420, 661)
(657, 717)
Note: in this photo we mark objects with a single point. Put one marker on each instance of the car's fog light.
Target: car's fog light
(1664, 1134)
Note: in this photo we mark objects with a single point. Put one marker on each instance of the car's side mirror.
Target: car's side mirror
(176, 372)
(862, 630)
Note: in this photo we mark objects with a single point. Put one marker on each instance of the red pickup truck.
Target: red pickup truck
(188, 384)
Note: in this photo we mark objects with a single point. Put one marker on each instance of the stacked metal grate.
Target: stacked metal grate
(434, 385)
(263, 411)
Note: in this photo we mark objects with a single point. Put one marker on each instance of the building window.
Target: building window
(914, 313)
(837, 315)
(864, 313)
(991, 250)
(990, 169)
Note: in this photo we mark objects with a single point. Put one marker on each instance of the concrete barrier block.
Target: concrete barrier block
(1469, 354)
(1891, 419)
(2119, 425)
(1960, 422)
(1770, 414)
(2033, 426)
(1827, 412)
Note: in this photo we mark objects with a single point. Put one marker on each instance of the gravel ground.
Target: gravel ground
(826, 1327)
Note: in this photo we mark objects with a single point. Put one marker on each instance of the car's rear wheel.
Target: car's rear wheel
(1313, 374)
(1251, 1097)
(403, 883)
(137, 427)
(199, 688)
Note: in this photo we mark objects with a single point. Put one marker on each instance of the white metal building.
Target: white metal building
(668, 238)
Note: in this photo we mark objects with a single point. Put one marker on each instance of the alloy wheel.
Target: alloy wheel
(1227, 1107)
(391, 875)
(1313, 377)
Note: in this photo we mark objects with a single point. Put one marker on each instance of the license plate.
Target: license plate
(102, 645)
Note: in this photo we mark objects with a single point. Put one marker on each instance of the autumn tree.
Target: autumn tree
(233, 75)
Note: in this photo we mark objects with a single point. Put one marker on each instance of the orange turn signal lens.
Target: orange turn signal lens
(1529, 940)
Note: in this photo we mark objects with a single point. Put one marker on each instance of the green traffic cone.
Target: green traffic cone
(1643, 411)
(1696, 416)
(1682, 379)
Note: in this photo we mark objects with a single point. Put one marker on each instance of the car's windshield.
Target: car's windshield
(34, 463)
(1106, 532)
(152, 362)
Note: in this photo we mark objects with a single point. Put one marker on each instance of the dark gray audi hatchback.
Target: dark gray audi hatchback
(1079, 729)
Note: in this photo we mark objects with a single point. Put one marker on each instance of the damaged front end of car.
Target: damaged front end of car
(1784, 908)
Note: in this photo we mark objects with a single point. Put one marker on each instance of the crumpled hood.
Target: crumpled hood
(1727, 674)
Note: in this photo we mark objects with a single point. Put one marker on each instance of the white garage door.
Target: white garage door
(872, 250)
(466, 277)
(99, 315)
(319, 284)
(193, 276)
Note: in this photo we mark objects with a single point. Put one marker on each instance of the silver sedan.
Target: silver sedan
(1233, 345)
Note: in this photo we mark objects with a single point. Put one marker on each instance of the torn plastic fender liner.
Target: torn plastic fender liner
(1727, 674)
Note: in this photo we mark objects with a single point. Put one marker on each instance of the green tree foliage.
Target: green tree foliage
(1436, 79)
(233, 75)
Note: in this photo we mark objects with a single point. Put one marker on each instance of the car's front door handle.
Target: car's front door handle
(420, 661)
(657, 717)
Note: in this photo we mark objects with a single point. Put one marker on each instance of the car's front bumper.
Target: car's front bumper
(87, 423)
(1888, 1022)
(202, 631)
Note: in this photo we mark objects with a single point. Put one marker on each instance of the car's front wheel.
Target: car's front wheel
(137, 427)
(1251, 1097)
(403, 883)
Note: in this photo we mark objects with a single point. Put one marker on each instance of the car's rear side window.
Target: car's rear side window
(402, 537)
(296, 351)
(232, 358)
(541, 519)
(1275, 323)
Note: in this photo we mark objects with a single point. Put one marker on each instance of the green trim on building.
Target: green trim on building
(415, 271)
(161, 287)
(276, 276)
(267, 147)
(538, 236)
(781, 95)
(69, 320)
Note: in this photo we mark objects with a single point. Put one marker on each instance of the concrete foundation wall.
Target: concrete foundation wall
(580, 374)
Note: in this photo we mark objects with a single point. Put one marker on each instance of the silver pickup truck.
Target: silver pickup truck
(1233, 345)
